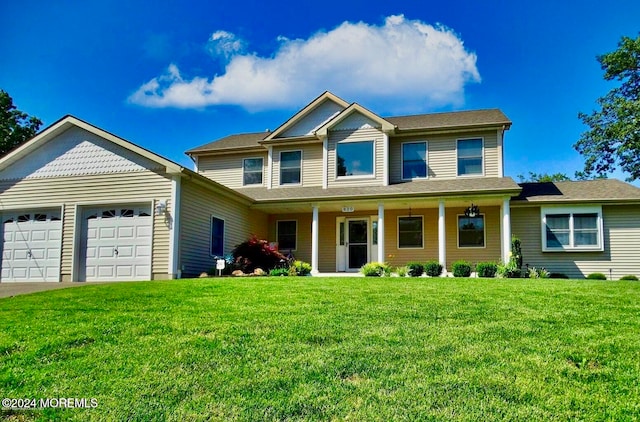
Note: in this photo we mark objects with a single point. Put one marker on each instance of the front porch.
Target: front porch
(338, 237)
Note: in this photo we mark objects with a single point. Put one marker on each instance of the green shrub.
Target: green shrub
(596, 276)
(509, 270)
(376, 269)
(516, 251)
(433, 269)
(558, 275)
(629, 277)
(461, 269)
(486, 269)
(279, 272)
(300, 268)
(415, 269)
(534, 272)
(402, 271)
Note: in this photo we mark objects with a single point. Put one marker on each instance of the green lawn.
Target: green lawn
(328, 348)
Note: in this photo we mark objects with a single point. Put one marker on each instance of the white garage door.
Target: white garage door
(117, 243)
(31, 246)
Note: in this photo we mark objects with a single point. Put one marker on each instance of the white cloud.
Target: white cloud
(405, 63)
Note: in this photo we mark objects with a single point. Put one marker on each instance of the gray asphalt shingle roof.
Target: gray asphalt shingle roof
(575, 191)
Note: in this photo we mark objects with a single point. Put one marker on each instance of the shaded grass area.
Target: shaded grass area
(331, 348)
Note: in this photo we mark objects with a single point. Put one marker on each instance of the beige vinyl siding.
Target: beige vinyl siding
(442, 155)
(621, 240)
(311, 163)
(492, 249)
(121, 188)
(198, 205)
(226, 169)
(356, 135)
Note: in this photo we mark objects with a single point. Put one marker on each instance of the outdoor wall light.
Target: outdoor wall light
(472, 211)
(161, 207)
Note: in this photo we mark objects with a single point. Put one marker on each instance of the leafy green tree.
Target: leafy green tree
(16, 127)
(543, 177)
(614, 135)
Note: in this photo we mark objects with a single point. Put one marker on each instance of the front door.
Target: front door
(357, 243)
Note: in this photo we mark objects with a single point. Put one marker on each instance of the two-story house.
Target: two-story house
(335, 185)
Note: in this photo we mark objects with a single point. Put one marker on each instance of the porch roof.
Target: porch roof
(601, 190)
(424, 188)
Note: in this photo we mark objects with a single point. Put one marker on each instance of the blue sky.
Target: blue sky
(170, 76)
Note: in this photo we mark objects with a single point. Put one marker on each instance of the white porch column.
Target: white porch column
(174, 229)
(506, 230)
(442, 237)
(381, 233)
(314, 241)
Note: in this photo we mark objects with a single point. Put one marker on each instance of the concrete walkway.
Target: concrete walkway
(8, 289)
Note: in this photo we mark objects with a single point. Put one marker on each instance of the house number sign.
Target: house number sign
(347, 209)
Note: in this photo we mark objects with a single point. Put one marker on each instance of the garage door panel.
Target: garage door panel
(55, 234)
(38, 253)
(125, 231)
(38, 235)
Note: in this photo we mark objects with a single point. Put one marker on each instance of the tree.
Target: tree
(16, 127)
(544, 177)
(614, 135)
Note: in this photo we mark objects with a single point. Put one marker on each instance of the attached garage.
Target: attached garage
(31, 245)
(116, 243)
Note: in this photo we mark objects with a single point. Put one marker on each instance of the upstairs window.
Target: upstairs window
(354, 158)
(470, 157)
(217, 236)
(572, 229)
(290, 167)
(414, 160)
(252, 171)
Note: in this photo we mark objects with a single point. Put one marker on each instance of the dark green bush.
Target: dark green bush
(629, 277)
(279, 272)
(433, 269)
(558, 275)
(486, 269)
(415, 269)
(461, 269)
(596, 276)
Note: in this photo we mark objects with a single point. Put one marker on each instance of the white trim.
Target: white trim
(341, 250)
(224, 233)
(442, 235)
(174, 228)
(483, 157)
(278, 237)
(261, 171)
(506, 230)
(314, 239)
(380, 239)
(426, 162)
(269, 167)
(398, 231)
(484, 231)
(571, 210)
(195, 163)
(500, 152)
(358, 176)
(280, 167)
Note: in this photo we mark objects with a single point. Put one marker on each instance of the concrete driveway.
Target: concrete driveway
(14, 289)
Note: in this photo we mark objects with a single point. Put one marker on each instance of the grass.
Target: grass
(332, 348)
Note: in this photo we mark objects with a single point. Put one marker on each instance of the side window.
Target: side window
(217, 236)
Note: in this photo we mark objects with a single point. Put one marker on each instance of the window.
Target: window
(414, 160)
(572, 229)
(471, 231)
(217, 236)
(410, 232)
(287, 232)
(469, 157)
(290, 164)
(374, 232)
(252, 171)
(354, 158)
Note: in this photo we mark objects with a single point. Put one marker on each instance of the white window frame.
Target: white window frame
(426, 160)
(278, 236)
(224, 233)
(481, 156)
(484, 234)
(544, 211)
(398, 232)
(359, 176)
(280, 167)
(261, 171)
